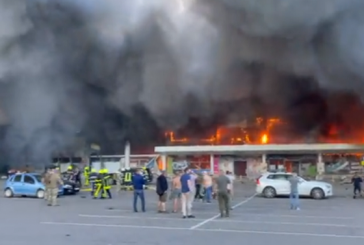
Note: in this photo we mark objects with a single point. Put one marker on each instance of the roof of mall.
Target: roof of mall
(260, 149)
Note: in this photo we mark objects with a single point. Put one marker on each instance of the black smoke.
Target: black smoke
(110, 71)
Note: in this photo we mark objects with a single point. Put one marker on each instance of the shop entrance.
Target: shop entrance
(300, 164)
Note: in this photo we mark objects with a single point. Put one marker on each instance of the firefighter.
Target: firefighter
(127, 179)
(86, 174)
(98, 185)
(92, 180)
(70, 169)
(105, 183)
(119, 179)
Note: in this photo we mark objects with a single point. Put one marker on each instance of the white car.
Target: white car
(276, 184)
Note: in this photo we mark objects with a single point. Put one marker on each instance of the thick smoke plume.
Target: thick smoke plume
(113, 70)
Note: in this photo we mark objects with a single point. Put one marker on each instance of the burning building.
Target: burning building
(208, 72)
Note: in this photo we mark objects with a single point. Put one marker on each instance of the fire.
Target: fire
(171, 137)
(259, 131)
(264, 139)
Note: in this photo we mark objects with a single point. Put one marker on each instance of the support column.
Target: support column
(164, 162)
(264, 163)
(320, 167)
(212, 164)
(127, 155)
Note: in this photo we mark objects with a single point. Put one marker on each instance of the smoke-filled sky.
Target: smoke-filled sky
(112, 70)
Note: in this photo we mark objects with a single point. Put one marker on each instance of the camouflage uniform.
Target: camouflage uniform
(54, 182)
(46, 184)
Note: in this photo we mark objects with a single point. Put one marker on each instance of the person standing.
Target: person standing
(294, 195)
(222, 189)
(54, 182)
(176, 192)
(187, 194)
(207, 185)
(45, 181)
(194, 179)
(356, 181)
(162, 188)
(138, 183)
(106, 184)
(86, 175)
(119, 180)
(77, 177)
(92, 177)
(199, 190)
(231, 176)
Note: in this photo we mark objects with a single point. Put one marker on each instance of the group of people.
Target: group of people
(100, 183)
(186, 187)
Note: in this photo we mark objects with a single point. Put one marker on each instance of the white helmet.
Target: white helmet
(127, 168)
(122, 169)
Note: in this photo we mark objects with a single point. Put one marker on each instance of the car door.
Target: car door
(277, 181)
(304, 187)
(283, 184)
(29, 186)
(17, 183)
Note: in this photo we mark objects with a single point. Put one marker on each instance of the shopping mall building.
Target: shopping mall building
(251, 160)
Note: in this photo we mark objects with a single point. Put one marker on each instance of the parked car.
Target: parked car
(70, 187)
(26, 184)
(271, 185)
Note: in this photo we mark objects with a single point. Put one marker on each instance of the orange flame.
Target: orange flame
(264, 139)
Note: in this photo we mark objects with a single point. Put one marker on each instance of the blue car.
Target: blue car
(26, 184)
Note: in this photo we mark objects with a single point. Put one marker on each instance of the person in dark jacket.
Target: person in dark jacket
(356, 181)
(162, 187)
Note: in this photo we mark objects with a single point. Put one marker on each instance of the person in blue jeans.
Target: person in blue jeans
(294, 196)
(207, 184)
(138, 185)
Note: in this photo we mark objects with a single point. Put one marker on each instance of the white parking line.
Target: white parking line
(283, 233)
(134, 217)
(116, 226)
(218, 215)
(219, 221)
(278, 207)
(205, 230)
(298, 214)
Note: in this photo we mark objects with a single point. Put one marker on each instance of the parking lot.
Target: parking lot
(254, 220)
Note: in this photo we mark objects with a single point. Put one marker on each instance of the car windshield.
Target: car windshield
(38, 177)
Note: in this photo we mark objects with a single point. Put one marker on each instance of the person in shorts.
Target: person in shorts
(162, 188)
(176, 192)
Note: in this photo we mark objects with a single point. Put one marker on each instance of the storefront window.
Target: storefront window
(342, 163)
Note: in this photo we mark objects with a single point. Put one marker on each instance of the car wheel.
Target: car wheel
(40, 194)
(8, 193)
(269, 192)
(317, 193)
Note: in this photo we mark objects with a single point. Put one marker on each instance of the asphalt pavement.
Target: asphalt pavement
(254, 220)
